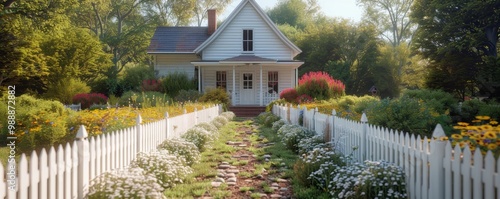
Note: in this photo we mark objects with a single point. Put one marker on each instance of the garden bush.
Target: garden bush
(277, 125)
(125, 183)
(199, 137)
(292, 134)
(150, 85)
(168, 169)
(311, 162)
(270, 119)
(373, 179)
(173, 83)
(320, 86)
(262, 117)
(208, 126)
(89, 99)
(310, 143)
(228, 115)
(188, 95)
(219, 121)
(64, 90)
(290, 95)
(407, 115)
(181, 148)
(39, 123)
(216, 96)
(436, 100)
(134, 77)
(269, 107)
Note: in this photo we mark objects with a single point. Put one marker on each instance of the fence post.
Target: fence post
(83, 161)
(436, 164)
(364, 135)
(332, 132)
(315, 110)
(138, 128)
(166, 124)
(289, 118)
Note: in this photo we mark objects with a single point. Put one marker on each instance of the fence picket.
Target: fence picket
(457, 172)
(68, 172)
(3, 186)
(34, 175)
(489, 169)
(476, 174)
(44, 174)
(23, 178)
(466, 173)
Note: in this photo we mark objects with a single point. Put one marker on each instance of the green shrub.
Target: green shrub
(436, 100)
(173, 83)
(292, 134)
(277, 125)
(217, 96)
(270, 119)
(228, 115)
(134, 76)
(219, 121)
(188, 95)
(39, 123)
(407, 115)
(269, 107)
(65, 89)
(208, 126)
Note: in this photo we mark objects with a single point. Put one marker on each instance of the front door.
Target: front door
(247, 89)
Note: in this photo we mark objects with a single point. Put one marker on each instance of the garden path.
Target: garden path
(247, 176)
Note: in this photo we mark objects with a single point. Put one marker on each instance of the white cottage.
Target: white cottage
(247, 56)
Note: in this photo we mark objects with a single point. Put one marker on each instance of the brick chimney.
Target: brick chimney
(212, 21)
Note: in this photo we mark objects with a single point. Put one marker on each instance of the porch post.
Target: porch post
(199, 79)
(296, 77)
(233, 96)
(261, 92)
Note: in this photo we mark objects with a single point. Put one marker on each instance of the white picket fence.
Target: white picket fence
(65, 171)
(433, 169)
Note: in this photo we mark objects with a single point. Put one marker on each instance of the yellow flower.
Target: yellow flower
(492, 146)
(444, 138)
(493, 122)
(483, 117)
(462, 144)
(458, 127)
(465, 133)
(456, 136)
(463, 124)
(476, 121)
(490, 135)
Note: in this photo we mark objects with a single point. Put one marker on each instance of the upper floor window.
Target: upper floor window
(220, 81)
(247, 40)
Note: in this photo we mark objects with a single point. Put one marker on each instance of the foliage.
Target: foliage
(320, 86)
(304, 99)
(350, 107)
(436, 100)
(309, 144)
(470, 108)
(144, 99)
(290, 95)
(459, 65)
(39, 123)
(150, 85)
(277, 125)
(89, 99)
(188, 95)
(219, 121)
(216, 96)
(65, 89)
(370, 180)
(261, 118)
(269, 107)
(167, 168)
(180, 148)
(200, 137)
(297, 13)
(208, 126)
(407, 115)
(134, 76)
(173, 83)
(269, 120)
(128, 183)
(228, 115)
(291, 135)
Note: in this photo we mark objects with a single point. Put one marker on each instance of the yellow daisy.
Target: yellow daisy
(463, 123)
(457, 136)
(483, 117)
(490, 135)
(492, 146)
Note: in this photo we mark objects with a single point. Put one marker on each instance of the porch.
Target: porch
(250, 80)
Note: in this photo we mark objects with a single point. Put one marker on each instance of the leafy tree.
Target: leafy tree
(202, 6)
(391, 17)
(296, 13)
(460, 38)
(170, 12)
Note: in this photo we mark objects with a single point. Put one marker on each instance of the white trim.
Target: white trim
(233, 95)
(262, 14)
(169, 52)
(199, 79)
(261, 97)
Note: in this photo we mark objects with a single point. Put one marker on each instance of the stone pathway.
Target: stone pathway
(242, 179)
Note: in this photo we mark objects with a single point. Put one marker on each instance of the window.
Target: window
(272, 81)
(247, 81)
(220, 81)
(248, 40)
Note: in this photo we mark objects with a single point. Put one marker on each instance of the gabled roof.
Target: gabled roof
(262, 14)
(249, 59)
(177, 39)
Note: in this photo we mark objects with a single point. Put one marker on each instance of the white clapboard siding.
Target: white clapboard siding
(55, 175)
(175, 63)
(432, 168)
(229, 43)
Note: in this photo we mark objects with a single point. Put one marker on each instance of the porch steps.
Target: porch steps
(247, 111)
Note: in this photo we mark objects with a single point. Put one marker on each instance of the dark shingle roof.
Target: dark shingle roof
(177, 39)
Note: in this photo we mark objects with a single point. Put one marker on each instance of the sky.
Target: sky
(334, 8)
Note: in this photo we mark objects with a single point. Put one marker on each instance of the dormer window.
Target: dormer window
(247, 40)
